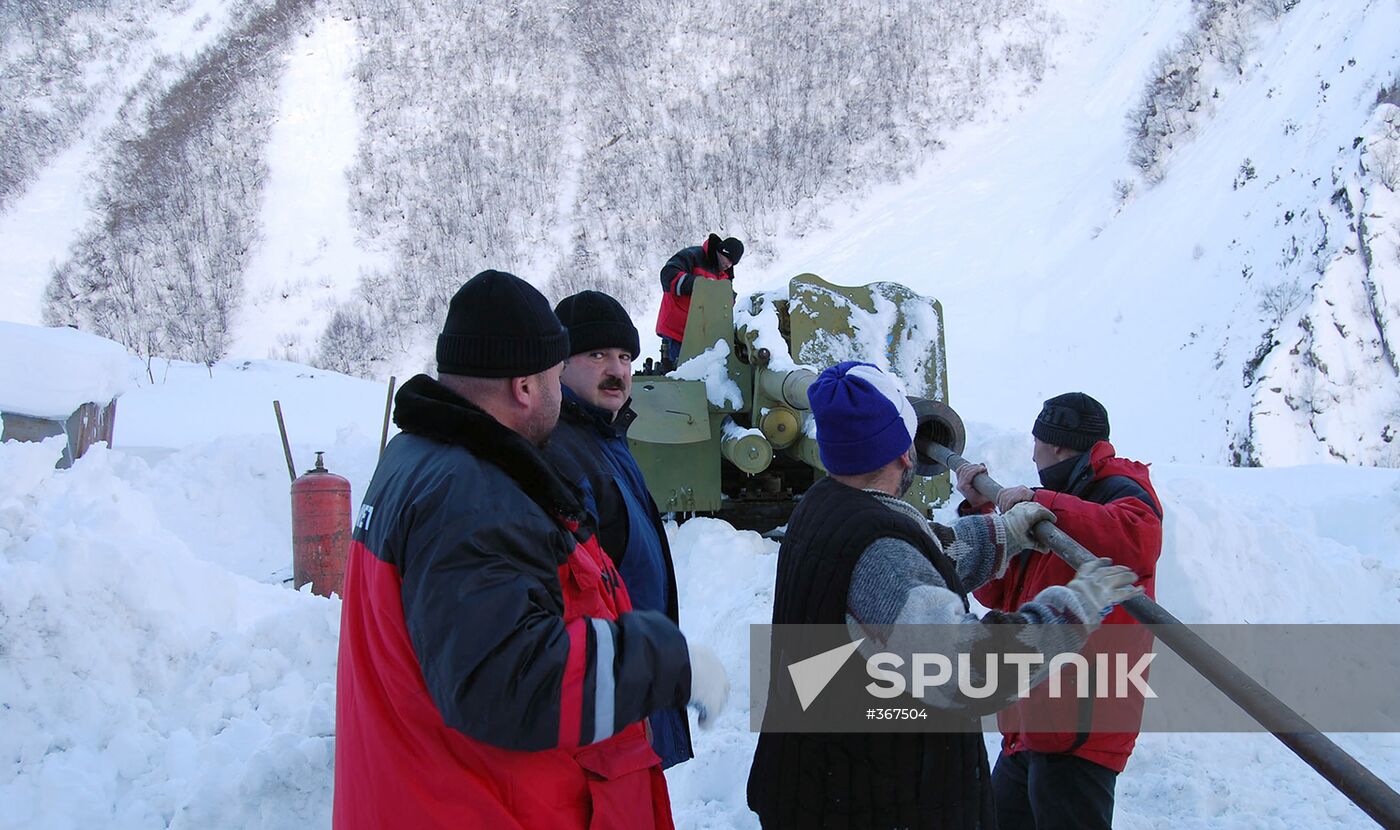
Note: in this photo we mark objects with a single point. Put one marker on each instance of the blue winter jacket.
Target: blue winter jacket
(589, 448)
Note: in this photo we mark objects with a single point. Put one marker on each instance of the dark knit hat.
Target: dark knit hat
(499, 326)
(1072, 420)
(597, 321)
(864, 420)
(731, 248)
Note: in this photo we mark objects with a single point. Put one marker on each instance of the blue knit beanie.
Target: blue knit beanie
(864, 420)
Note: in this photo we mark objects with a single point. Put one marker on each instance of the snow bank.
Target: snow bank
(49, 372)
(149, 682)
(726, 579)
(203, 443)
(142, 686)
(189, 405)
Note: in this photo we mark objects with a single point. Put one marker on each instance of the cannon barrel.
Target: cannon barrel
(805, 450)
(789, 387)
(781, 426)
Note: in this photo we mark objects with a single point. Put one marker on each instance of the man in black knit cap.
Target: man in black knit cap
(590, 448)
(1051, 780)
(492, 670)
(713, 259)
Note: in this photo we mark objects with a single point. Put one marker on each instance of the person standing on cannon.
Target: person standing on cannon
(713, 259)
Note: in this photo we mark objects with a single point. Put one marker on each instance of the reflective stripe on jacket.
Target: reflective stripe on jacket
(677, 276)
(492, 672)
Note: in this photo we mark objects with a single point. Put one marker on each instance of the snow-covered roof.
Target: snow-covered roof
(49, 372)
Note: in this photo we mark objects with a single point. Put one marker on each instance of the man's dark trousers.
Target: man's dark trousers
(1069, 793)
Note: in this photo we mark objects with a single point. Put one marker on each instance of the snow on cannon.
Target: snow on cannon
(730, 432)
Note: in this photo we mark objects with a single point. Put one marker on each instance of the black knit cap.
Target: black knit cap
(731, 248)
(499, 326)
(1072, 420)
(597, 321)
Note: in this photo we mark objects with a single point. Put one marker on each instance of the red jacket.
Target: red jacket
(1111, 509)
(492, 672)
(678, 277)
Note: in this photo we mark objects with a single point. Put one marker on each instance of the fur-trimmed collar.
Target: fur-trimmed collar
(424, 406)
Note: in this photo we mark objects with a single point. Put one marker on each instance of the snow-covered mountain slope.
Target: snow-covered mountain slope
(1249, 288)
(1158, 303)
(88, 65)
(157, 671)
(319, 178)
(309, 259)
(1328, 385)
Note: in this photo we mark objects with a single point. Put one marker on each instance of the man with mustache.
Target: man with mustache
(493, 671)
(589, 448)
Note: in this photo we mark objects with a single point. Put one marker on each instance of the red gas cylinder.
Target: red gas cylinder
(320, 529)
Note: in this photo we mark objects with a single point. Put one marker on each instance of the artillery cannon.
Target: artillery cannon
(730, 432)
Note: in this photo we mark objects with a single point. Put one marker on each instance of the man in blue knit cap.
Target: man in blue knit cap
(856, 554)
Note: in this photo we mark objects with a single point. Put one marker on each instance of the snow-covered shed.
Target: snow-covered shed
(60, 381)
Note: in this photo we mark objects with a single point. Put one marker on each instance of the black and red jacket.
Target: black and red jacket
(678, 278)
(1110, 508)
(492, 672)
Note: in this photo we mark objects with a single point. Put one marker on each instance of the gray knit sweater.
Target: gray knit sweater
(894, 588)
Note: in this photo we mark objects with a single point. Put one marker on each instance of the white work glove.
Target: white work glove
(1099, 585)
(1018, 522)
(709, 684)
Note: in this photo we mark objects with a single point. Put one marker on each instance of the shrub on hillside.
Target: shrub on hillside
(580, 145)
(1169, 107)
(161, 267)
(348, 344)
